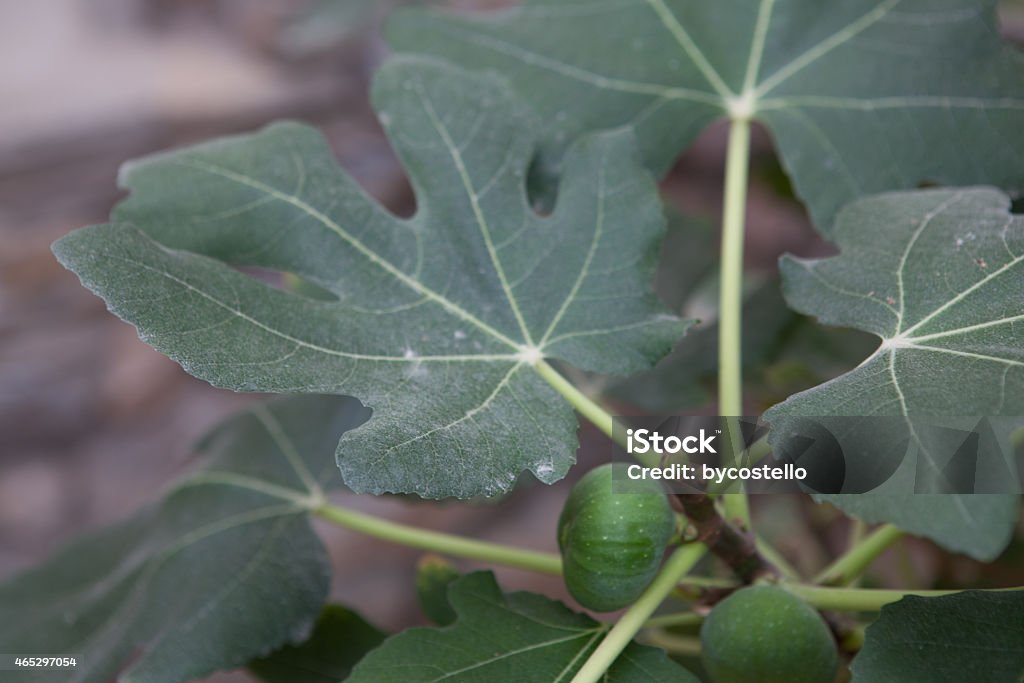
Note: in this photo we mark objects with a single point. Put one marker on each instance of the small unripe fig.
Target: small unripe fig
(612, 542)
(765, 634)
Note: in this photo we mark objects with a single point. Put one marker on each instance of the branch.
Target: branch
(724, 540)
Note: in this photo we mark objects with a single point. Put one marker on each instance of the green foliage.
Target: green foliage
(438, 319)
(970, 636)
(861, 96)
(937, 276)
(535, 239)
(223, 569)
(764, 634)
(612, 541)
(339, 639)
(507, 637)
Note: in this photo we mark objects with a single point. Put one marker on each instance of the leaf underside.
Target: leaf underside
(970, 636)
(862, 96)
(938, 275)
(437, 318)
(226, 567)
(508, 637)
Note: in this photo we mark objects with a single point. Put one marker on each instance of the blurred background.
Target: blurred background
(93, 423)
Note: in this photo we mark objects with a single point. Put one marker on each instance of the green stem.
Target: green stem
(736, 510)
(730, 381)
(448, 544)
(759, 450)
(692, 587)
(862, 599)
(583, 404)
(730, 309)
(677, 619)
(855, 561)
(822, 597)
(684, 646)
(858, 530)
(681, 562)
(710, 582)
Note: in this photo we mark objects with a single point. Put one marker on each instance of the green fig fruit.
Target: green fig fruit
(765, 634)
(612, 542)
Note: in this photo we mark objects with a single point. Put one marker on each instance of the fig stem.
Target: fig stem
(863, 599)
(678, 565)
(730, 303)
(686, 646)
(439, 542)
(583, 404)
(678, 619)
(848, 567)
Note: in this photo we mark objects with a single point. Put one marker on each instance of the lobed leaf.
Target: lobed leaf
(939, 276)
(438, 319)
(225, 568)
(862, 96)
(507, 637)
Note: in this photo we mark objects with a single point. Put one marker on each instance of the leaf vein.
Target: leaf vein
(368, 253)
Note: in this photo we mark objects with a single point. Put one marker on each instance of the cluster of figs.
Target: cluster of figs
(612, 544)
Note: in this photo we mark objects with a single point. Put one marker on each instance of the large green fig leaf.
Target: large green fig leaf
(521, 637)
(861, 96)
(939, 276)
(970, 636)
(439, 319)
(225, 568)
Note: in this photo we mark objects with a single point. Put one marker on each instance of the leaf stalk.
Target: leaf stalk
(863, 599)
(583, 404)
(854, 562)
(448, 544)
(677, 566)
(730, 307)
